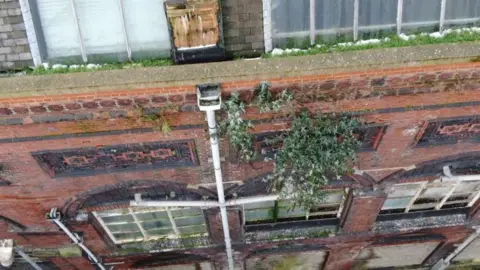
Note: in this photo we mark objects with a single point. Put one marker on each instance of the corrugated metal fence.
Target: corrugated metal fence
(336, 20)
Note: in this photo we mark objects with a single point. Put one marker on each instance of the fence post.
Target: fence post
(312, 22)
(79, 32)
(442, 15)
(399, 16)
(355, 19)
(267, 25)
(124, 28)
(31, 33)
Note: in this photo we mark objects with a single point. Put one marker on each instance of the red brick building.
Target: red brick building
(75, 142)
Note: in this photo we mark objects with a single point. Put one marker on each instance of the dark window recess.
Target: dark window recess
(392, 211)
(290, 219)
(292, 225)
(425, 200)
(323, 209)
(458, 197)
(425, 209)
(423, 213)
(455, 205)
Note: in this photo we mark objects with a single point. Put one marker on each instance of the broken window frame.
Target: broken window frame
(146, 233)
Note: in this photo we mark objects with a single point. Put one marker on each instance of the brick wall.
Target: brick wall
(14, 48)
(404, 99)
(243, 27)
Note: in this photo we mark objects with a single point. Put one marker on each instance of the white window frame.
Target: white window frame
(425, 185)
(137, 222)
(308, 214)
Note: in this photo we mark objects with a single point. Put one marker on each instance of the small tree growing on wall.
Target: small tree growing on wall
(317, 148)
(237, 129)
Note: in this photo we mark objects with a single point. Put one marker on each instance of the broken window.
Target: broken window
(436, 195)
(281, 210)
(142, 224)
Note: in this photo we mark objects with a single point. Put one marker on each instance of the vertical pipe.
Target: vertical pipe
(355, 19)
(212, 128)
(312, 22)
(267, 25)
(27, 258)
(399, 16)
(79, 32)
(442, 15)
(124, 29)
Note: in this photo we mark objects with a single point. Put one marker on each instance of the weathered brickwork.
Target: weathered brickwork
(242, 24)
(44, 146)
(14, 48)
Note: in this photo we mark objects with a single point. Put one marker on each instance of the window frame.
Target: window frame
(424, 186)
(138, 222)
(276, 209)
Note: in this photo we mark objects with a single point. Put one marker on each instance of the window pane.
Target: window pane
(102, 30)
(192, 229)
(152, 215)
(147, 28)
(270, 204)
(462, 13)
(336, 16)
(399, 203)
(186, 221)
(149, 225)
(336, 197)
(59, 31)
(128, 236)
(259, 214)
(467, 187)
(435, 193)
(286, 213)
(420, 16)
(118, 219)
(377, 18)
(123, 228)
(160, 232)
(290, 22)
(185, 212)
(400, 191)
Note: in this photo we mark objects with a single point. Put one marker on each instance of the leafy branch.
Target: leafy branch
(265, 101)
(316, 149)
(237, 129)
